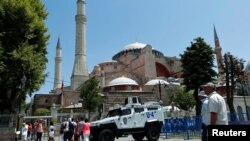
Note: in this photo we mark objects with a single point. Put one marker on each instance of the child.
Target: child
(24, 132)
(51, 131)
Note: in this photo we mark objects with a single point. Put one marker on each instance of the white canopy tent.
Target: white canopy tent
(171, 108)
(157, 81)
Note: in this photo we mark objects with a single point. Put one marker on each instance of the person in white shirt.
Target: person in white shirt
(51, 131)
(80, 126)
(24, 131)
(217, 109)
(204, 114)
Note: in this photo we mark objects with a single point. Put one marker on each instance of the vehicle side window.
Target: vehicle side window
(126, 112)
(138, 110)
(152, 108)
(126, 101)
(114, 113)
(134, 100)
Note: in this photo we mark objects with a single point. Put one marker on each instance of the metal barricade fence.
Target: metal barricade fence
(185, 127)
(239, 118)
(190, 127)
(7, 126)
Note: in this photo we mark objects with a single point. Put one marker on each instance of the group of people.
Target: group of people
(70, 130)
(75, 131)
(32, 131)
(214, 110)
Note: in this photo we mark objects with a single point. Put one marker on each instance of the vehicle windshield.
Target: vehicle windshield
(112, 113)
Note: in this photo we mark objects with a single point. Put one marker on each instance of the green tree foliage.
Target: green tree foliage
(89, 94)
(183, 99)
(23, 37)
(197, 67)
(247, 73)
(42, 112)
(233, 68)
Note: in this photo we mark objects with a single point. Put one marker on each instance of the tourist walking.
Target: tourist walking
(30, 130)
(76, 132)
(204, 114)
(86, 130)
(68, 130)
(39, 130)
(80, 127)
(24, 132)
(74, 124)
(51, 132)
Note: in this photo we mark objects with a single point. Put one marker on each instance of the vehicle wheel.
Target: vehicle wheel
(92, 138)
(138, 136)
(153, 133)
(106, 135)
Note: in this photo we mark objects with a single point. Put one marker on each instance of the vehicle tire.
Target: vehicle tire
(106, 135)
(92, 138)
(138, 136)
(153, 133)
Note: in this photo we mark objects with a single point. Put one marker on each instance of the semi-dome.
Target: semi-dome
(122, 81)
(156, 81)
(135, 45)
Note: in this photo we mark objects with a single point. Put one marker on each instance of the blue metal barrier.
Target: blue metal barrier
(188, 127)
(185, 126)
(239, 118)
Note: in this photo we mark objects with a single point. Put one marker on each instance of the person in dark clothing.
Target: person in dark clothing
(68, 130)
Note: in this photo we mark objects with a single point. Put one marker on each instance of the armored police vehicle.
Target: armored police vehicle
(135, 118)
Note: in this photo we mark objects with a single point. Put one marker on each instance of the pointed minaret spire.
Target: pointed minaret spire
(80, 73)
(218, 53)
(216, 39)
(58, 65)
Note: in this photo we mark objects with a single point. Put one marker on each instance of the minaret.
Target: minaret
(58, 66)
(80, 72)
(218, 53)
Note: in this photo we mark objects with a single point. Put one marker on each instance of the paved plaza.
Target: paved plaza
(129, 138)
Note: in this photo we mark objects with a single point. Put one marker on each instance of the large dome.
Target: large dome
(135, 45)
(122, 81)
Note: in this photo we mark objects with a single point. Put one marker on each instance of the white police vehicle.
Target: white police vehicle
(134, 118)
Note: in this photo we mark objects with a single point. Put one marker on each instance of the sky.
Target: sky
(167, 25)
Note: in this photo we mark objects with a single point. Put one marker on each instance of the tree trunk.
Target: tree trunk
(229, 89)
(198, 102)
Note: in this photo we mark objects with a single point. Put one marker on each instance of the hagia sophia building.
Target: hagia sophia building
(138, 69)
(129, 70)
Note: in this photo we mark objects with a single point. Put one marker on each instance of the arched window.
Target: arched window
(248, 113)
(240, 113)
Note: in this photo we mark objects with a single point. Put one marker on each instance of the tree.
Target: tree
(233, 68)
(42, 112)
(89, 94)
(23, 37)
(197, 67)
(183, 99)
(247, 73)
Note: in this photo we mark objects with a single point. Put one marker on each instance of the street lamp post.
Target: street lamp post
(73, 110)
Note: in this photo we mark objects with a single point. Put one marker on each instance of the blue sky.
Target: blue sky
(168, 25)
